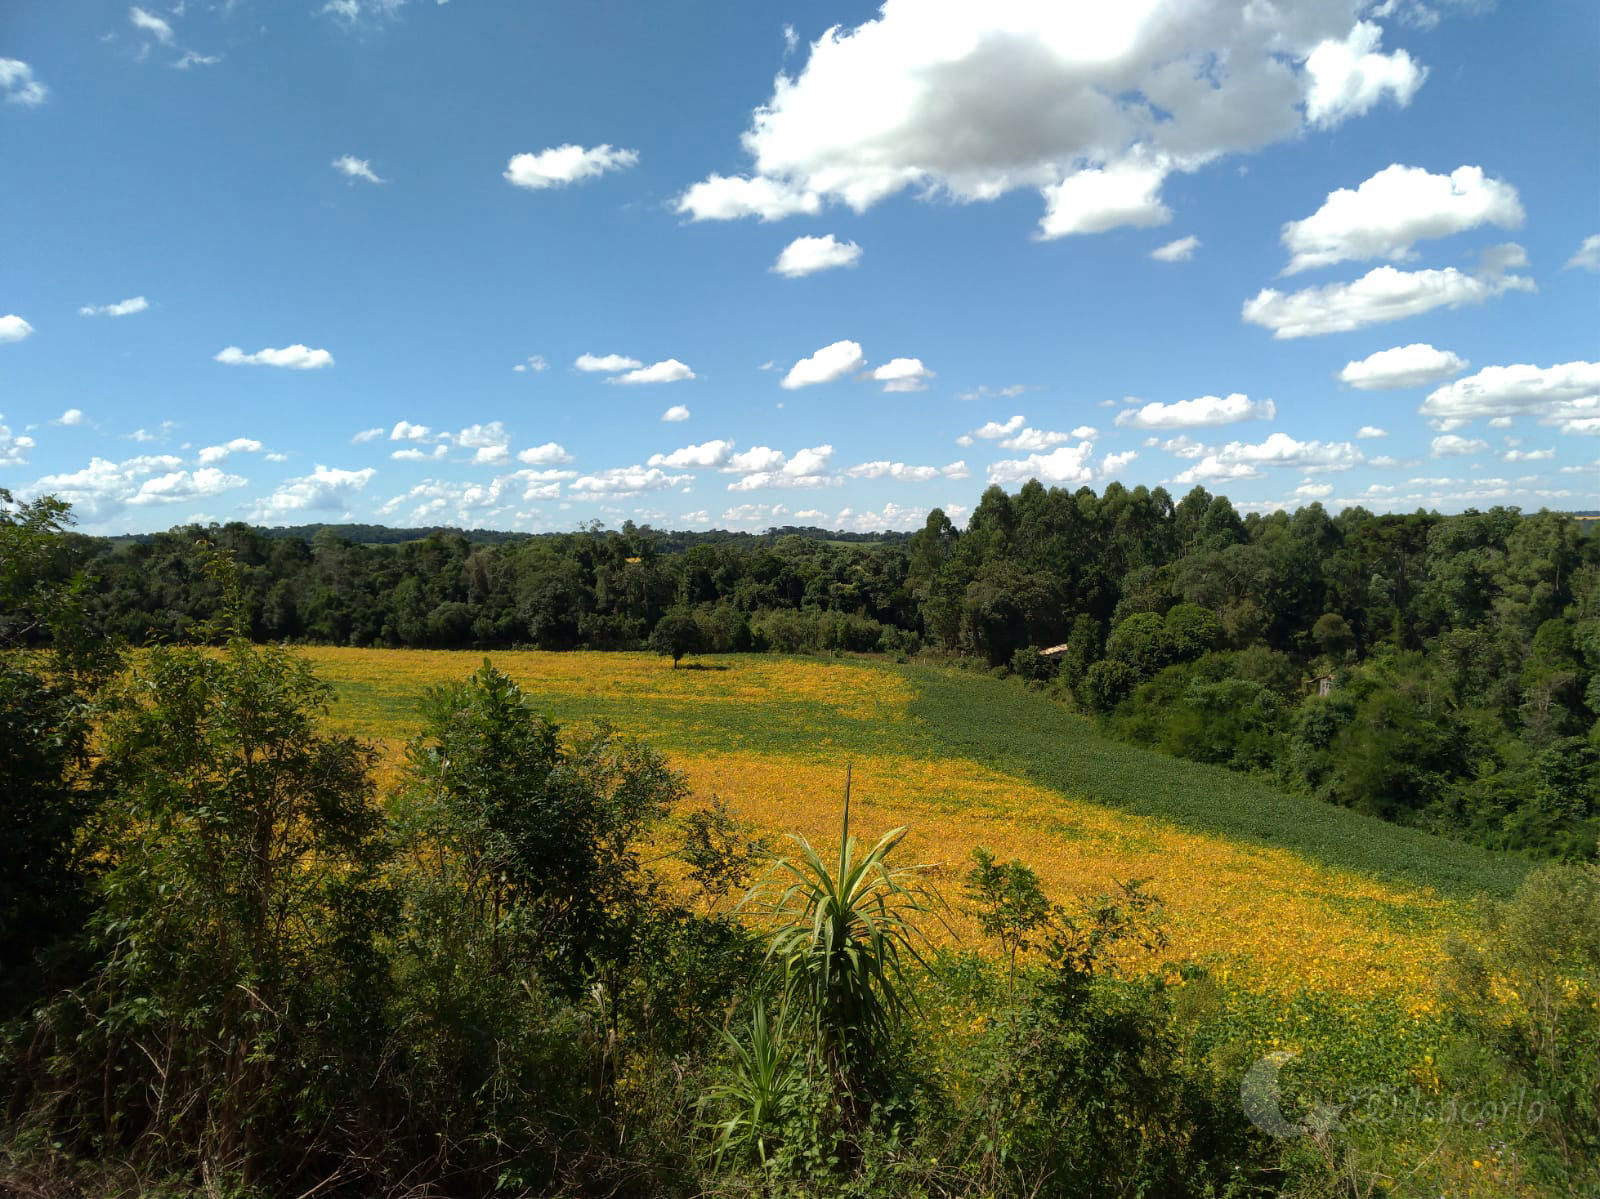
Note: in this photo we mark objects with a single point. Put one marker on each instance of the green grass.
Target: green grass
(1010, 729)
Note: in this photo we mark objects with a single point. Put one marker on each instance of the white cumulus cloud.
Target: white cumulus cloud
(995, 430)
(1198, 413)
(1068, 465)
(1566, 396)
(1369, 432)
(902, 374)
(561, 165)
(18, 84)
(1403, 366)
(625, 481)
(829, 363)
(1100, 198)
(13, 447)
(894, 470)
(726, 198)
(755, 460)
(126, 307)
(1177, 251)
(1349, 77)
(1382, 294)
(406, 431)
(1091, 105)
(668, 371)
(605, 363)
(807, 468)
(1035, 439)
(548, 454)
(1588, 256)
(13, 328)
(1245, 460)
(707, 455)
(325, 489)
(808, 255)
(675, 413)
(295, 357)
(239, 445)
(1450, 446)
(104, 488)
(489, 442)
(1396, 208)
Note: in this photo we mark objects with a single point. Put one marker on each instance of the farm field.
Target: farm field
(1279, 896)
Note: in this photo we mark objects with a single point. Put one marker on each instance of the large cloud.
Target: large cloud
(1093, 105)
(1382, 294)
(1200, 412)
(1393, 210)
(1567, 396)
(13, 328)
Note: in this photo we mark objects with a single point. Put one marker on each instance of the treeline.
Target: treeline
(1460, 655)
(234, 966)
(1436, 670)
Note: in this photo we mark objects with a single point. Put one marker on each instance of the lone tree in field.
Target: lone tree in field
(676, 634)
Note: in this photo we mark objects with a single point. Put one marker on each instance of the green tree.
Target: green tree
(240, 916)
(1527, 997)
(676, 633)
(1010, 905)
(52, 665)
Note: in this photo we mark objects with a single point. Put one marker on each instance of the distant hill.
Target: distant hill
(666, 540)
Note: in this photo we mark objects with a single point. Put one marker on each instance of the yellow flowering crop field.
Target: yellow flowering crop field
(772, 737)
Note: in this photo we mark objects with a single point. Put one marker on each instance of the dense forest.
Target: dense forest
(1442, 671)
(234, 966)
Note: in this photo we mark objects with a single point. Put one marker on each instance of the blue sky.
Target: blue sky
(829, 264)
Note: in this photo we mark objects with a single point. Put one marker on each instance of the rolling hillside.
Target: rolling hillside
(1283, 894)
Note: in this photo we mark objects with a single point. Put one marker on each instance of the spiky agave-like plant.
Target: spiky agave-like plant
(841, 933)
(760, 1088)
